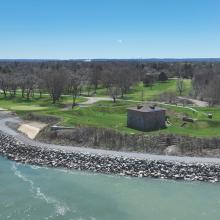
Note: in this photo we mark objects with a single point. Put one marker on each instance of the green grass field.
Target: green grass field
(107, 114)
(150, 93)
(202, 127)
(156, 90)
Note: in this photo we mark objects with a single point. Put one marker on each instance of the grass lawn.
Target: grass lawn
(150, 93)
(202, 127)
(102, 114)
(109, 115)
(42, 105)
(114, 115)
(157, 89)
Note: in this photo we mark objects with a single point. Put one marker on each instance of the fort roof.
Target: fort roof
(146, 109)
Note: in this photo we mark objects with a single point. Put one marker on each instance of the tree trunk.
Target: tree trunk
(74, 101)
(22, 93)
(5, 93)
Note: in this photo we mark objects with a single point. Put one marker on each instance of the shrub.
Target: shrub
(162, 77)
(149, 80)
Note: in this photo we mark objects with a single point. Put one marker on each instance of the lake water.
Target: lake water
(29, 192)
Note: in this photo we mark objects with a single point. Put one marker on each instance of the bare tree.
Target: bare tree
(5, 73)
(55, 80)
(212, 91)
(149, 80)
(202, 80)
(13, 84)
(75, 81)
(95, 76)
(125, 79)
(4, 83)
(114, 92)
(180, 87)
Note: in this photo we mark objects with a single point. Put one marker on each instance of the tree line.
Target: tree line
(57, 78)
(75, 77)
(206, 84)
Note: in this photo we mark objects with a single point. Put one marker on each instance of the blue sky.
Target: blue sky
(69, 29)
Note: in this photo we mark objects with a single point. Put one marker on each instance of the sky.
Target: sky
(121, 29)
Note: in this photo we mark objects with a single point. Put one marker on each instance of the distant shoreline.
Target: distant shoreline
(146, 60)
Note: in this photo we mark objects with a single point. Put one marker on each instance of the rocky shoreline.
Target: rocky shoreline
(19, 152)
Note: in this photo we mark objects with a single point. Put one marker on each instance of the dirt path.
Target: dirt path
(88, 102)
(196, 102)
(92, 100)
(7, 117)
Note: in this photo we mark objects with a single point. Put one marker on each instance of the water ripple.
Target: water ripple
(60, 208)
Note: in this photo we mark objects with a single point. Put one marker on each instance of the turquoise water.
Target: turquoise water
(29, 192)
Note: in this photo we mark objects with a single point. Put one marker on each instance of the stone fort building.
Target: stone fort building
(146, 119)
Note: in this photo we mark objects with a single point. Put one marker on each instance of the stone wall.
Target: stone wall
(146, 119)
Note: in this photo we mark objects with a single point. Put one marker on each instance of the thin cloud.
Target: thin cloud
(120, 41)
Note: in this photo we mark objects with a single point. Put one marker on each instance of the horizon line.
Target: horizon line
(87, 59)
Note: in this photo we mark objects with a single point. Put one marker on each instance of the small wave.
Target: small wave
(24, 178)
(60, 208)
(34, 167)
(82, 218)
